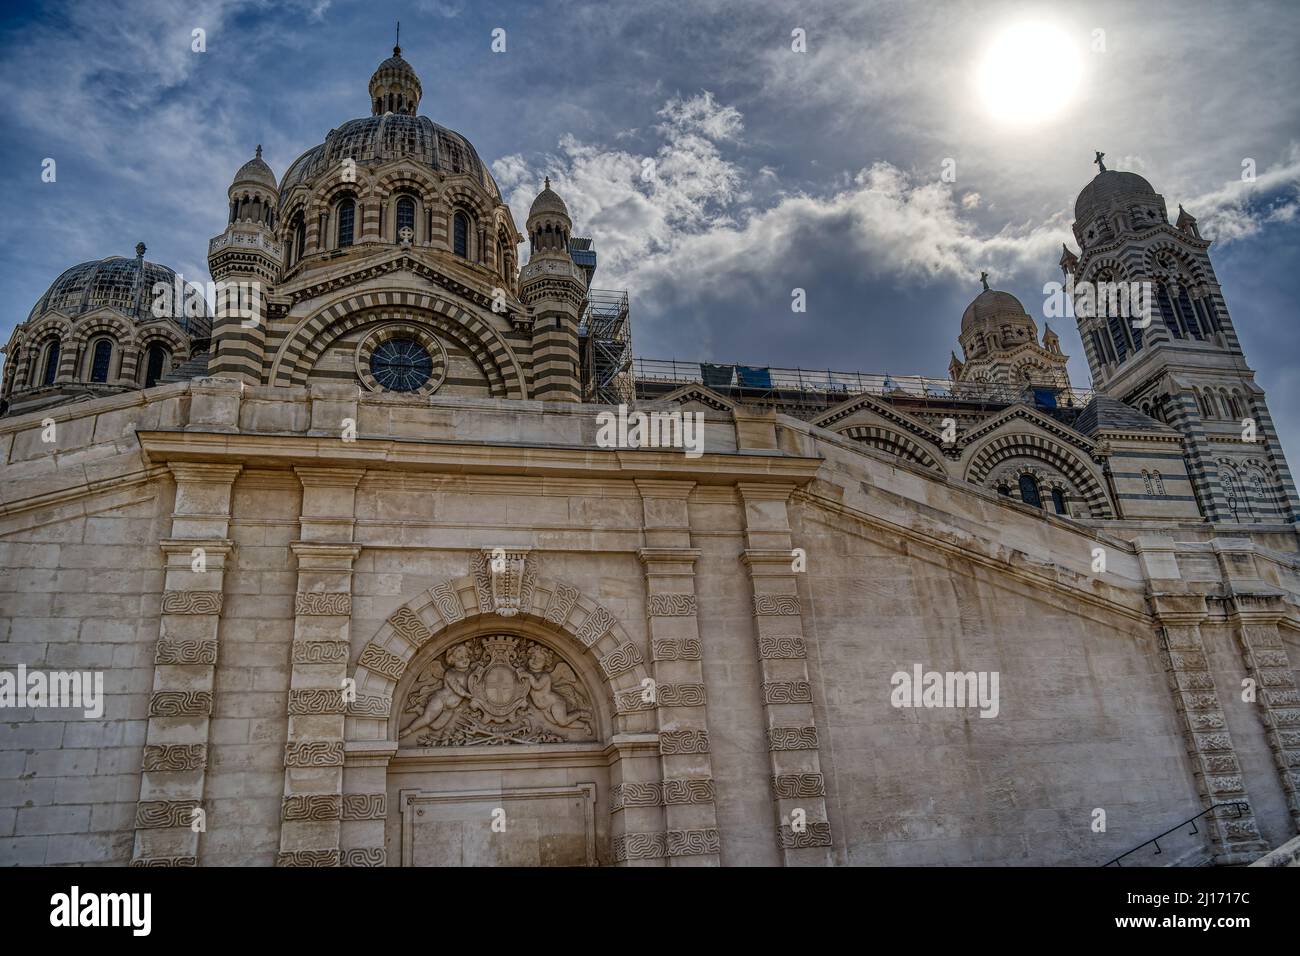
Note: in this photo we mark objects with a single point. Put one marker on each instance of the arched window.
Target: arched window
(1159, 484)
(155, 364)
(1058, 501)
(460, 235)
(51, 370)
(1146, 482)
(405, 217)
(347, 214)
(299, 242)
(100, 360)
(1029, 491)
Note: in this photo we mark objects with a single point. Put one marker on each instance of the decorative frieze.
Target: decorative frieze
(312, 806)
(185, 652)
(684, 742)
(155, 814)
(784, 605)
(312, 858)
(692, 791)
(792, 786)
(787, 692)
(622, 660)
(175, 757)
(792, 738)
(191, 602)
(680, 695)
(561, 604)
(180, 703)
(693, 842)
(365, 806)
(308, 702)
(598, 623)
(685, 791)
(162, 861)
(447, 604)
(376, 659)
(313, 753)
(370, 705)
(782, 648)
(640, 846)
(322, 603)
(320, 652)
(365, 856)
(405, 622)
(676, 649)
(813, 833)
(672, 605)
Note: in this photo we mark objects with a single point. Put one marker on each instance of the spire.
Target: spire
(394, 87)
(1100, 165)
(397, 43)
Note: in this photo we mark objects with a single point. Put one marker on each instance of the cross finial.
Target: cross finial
(1100, 165)
(397, 44)
(259, 150)
(548, 182)
(984, 278)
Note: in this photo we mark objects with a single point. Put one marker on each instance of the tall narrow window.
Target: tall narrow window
(1146, 482)
(1058, 501)
(51, 363)
(99, 363)
(347, 216)
(1158, 482)
(460, 235)
(1167, 313)
(299, 238)
(1029, 491)
(405, 217)
(155, 364)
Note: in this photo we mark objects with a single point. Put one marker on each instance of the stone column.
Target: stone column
(312, 808)
(1205, 728)
(1255, 618)
(686, 791)
(804, 838)
(636, 826)
(169, 815)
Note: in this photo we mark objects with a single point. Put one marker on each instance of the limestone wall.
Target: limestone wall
(1118, 689)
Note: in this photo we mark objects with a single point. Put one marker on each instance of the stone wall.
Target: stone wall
(1119, 689)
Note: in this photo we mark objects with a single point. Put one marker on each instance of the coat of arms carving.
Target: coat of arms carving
(499, 689)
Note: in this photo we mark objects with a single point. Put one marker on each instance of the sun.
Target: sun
(1029, 73)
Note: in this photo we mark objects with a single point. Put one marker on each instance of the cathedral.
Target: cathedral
(367, 587)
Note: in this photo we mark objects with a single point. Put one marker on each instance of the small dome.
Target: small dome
(992, 304)
(548, 201)
(394, 87)
(116, 282)
(255, 171)
(1106, 188)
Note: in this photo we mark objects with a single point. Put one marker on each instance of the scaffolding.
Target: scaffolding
(605, 338)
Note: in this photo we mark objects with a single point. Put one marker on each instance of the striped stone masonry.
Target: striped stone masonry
(169, 819)
(801, 828)
(1255, 619)
(1215, 764)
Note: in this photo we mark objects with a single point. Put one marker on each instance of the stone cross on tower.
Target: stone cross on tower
(1100, 165)
(984, 279)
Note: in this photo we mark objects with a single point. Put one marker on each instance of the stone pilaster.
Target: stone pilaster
(169, 815)
(1205, 728)
(312, 810)
(365, 802)
(1255, 619)
(686, 791)
(803, 832)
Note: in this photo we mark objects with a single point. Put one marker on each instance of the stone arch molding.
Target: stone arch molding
(496, 590)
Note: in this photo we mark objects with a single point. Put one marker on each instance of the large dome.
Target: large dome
(1106, 188)
(378, 139)
(117, 283)
(992, 304)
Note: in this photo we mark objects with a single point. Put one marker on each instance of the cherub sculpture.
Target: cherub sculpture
(454, 689)
(554, 693)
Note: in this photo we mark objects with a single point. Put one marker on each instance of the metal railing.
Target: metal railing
(1238, 806)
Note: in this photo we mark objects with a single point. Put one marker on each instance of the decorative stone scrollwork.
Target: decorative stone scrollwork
(369, 705)
(787, 692)
(185, 652)
(776, 604)
(631, 701)
(791, 786)
(792, 738)
(640, 846)
(191, 602)
(684, 742)
(312, 806)
(322, 602)
(782, 648)
(561, 604)
(672, 605)
(177, 757)
(496, 690)
(503, 577)
(365, 806)
(687, 791)
(365, 856)
(313, 858)
(155, 814)
(383, 662)
(157, 861)
(693, 842)
(677, 649)
(405, 623)
(447, 603)
(681, 695)
(320, 652)
(304, 703)
(314, 753)
(180, 703)
(623, 795)
(596, 626)
(813, 834)
(621, 661)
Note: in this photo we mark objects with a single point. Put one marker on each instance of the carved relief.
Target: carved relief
(672, 605)
(185, 652)
(677, 649)
(684, 742)
(782, 648)
(681, 695)
(315, 858)
(779, 604)
(814, 834)
(597, 625)
(405, 623)
(640, 846)
(561, 604)
(365, 806)
(380, 661)
(496, 690)
(308, 702)
(365, 856)
(791, 786)
(693, 842)
(792, 738)
(154, 814)
(180, 703)
(320, 652)
(175, 757)
(312, 806)
(621, 661)
(500, 577)
(447, 603)
(157, 861)
(787, 692)
(314, 753)
(687, 791)
(369, 705)
(191, 602)
(322, 602)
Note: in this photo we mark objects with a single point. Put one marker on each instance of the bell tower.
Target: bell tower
(554, 287)
(1158, 336)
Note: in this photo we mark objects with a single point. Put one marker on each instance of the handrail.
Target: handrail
(1237, 805)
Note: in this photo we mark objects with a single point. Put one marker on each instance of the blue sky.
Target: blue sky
(774, 169)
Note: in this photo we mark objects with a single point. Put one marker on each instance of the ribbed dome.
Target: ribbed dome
(548, 201)
(117, 283)
(1108, 187)
(255, 171)
(991, 304)
(378, 139)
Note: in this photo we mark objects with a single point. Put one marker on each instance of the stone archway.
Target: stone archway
(509, 599)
